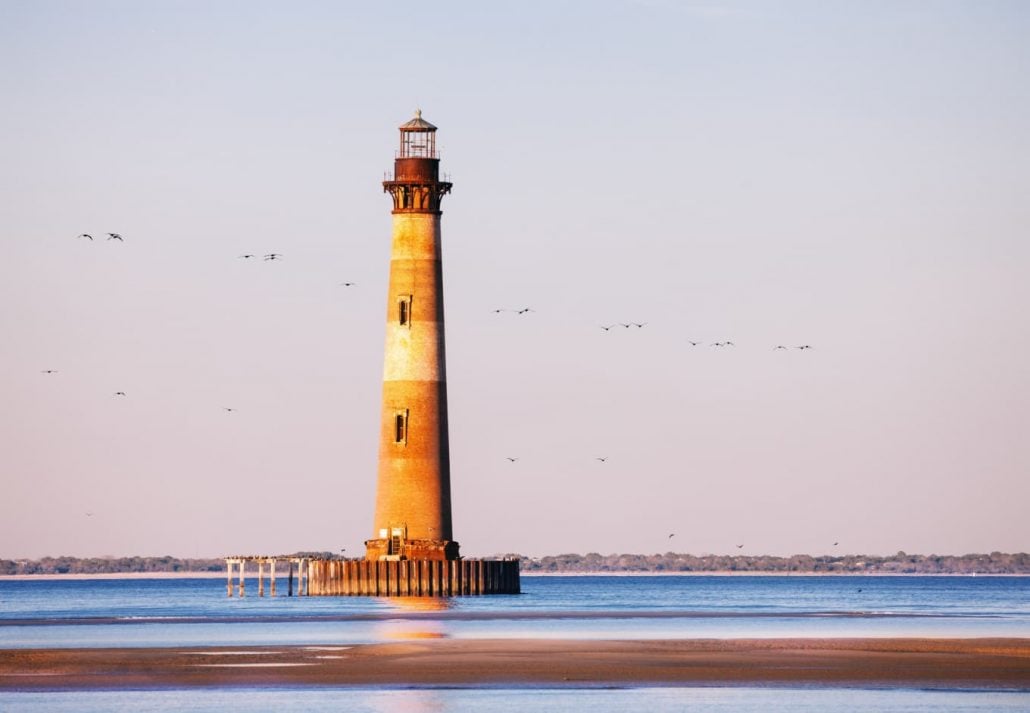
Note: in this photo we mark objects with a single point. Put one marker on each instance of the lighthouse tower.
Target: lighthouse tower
(411, 552)
(413, 496)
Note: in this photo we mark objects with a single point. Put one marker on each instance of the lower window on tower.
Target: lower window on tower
(404, 310)
(400, 427)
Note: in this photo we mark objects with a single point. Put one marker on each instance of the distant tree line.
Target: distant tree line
(123, 565)
(109, 565)
(900, 563)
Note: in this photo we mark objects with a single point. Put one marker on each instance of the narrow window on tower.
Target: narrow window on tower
(400, 427)
(404, 310)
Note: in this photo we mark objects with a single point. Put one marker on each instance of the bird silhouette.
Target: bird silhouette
(602, 459)
(739, 546)
(524, 310)
(779, 346)
(805, 346)
(717, 344)
(227, 409)
(247, 256)
(89, 514)
(511, 459)
(835, 544)
(119, 393)
(607, 327)
(729, 344)
(49, 371)
(673, 534)
(693, 344)
(115, 236)
(347, 284)
(273, 256)
(638, 325)
(86, 235)
(501, 309)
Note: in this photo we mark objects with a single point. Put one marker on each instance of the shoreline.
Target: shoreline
(986, 664)
(252, 574)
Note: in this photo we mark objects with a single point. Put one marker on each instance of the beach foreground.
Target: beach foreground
(938, 663)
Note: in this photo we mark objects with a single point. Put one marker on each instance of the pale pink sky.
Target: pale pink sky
(847, 175)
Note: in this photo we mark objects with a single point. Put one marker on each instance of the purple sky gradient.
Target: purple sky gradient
(847, 175)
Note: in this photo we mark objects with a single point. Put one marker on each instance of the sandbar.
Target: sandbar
(892, 663)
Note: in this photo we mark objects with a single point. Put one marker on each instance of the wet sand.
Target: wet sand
(936, 663)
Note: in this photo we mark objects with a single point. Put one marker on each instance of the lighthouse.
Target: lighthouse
(412, 552)
(413, 494)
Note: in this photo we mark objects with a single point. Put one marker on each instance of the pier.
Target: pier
(313, 577)
(292, 563)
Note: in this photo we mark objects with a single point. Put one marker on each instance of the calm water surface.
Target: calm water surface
(196, 612)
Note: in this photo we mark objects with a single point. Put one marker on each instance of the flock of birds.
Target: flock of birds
(271, 257)
(627, 325)
(267, 257)
(110, 236)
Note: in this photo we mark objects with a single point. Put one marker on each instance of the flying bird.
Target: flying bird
(607, 327)
(347, 284)
(835, 544)
(273, 256)
(638, 324)
(602, 459)
(805, 346)
(779, 346)
(671, 535)
(89, 514)
(729, 344)
(119, 393)
(717, 344)
(49, 371)
(115, 236)
(524, 310)
(693, 344)
(511, 459)
(86, 235)
(739, 546)
(247, 256)
(227, 409)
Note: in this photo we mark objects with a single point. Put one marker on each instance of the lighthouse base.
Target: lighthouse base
(405, 549)
(412, 578)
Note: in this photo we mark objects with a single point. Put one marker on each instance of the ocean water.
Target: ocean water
(197, 612)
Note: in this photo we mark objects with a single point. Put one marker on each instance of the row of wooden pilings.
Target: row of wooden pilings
(412, 578)
(240, 563)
